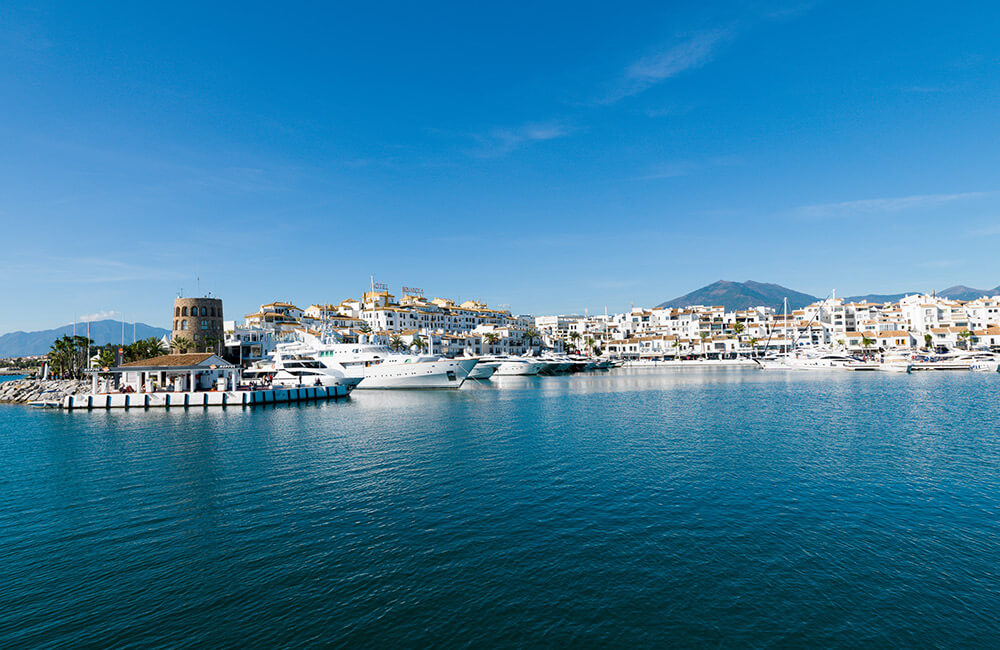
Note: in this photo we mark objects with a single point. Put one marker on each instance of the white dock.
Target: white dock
(203, 398)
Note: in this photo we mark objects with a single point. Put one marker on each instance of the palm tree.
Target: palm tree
(59, 354)
(531, 334)
(80, 346)
(866, 342)
(927, 341)
(753, 344)
(703, 336)
(181, 343)
(738, 328)
(397, 343)
(491, 338)
(589, 344)
(965, 336)
(212, 344)
(365, 328)
(106, 358)
(418, 343)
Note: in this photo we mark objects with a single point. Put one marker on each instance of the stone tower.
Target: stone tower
(199, 320)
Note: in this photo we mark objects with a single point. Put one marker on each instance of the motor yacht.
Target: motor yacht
(813, 360)
(975, 360)
(896, 361)
(483, 370)
(508, 365)
(289, 372)
(378, 367)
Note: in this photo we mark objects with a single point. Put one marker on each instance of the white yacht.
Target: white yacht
(896, 361)
(975, 360)
(813, 360)
(376, 366)
(290, 372)
(483, 370)
(506, 365)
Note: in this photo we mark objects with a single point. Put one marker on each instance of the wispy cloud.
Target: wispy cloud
(883, 206)
(988, 230)
(668, 111)
(692, 52)
(101, 315)
(678, 168)
(501, 141)
(85, 270)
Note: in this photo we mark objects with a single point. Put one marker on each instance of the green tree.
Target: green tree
(365, 328)
(532, 335)
(927, 340)
(418, 343)
(182, 344)
(867, 342)
(106, 358)
(702, 336)
(58, 355)
(68, 355)
(588, 344)
(964, 338)
(396, 343)
(738, 328)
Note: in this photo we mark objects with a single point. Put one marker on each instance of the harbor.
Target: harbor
(283, 353)
(641, 480)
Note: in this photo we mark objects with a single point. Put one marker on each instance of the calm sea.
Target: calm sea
(652, 507)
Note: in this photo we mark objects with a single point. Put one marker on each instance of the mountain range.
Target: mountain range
(745, 295)
(742, 295)
(23, 344)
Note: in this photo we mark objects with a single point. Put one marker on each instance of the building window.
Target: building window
(184, 311)
(204, 324)
(175, 324)
(204, 311)
(177, 311)
(184, 324)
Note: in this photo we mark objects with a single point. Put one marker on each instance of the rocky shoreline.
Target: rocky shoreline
(22, 391)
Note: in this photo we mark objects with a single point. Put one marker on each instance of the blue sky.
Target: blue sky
(551, 158)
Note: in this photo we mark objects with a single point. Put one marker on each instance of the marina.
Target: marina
(497, 500)
(499, 325)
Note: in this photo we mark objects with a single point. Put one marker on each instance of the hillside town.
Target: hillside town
(447, 328)
(443, 327)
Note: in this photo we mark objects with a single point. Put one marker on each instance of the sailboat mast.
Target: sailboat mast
(784, 320)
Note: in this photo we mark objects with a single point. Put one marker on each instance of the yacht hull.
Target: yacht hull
(509, 368)
(447, 373)
(482, 371)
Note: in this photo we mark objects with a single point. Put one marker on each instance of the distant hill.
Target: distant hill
(742, 295)
(880, 297)
(23, 344)
(961, 292)
(958, 292)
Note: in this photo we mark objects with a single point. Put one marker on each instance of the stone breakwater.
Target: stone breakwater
(21, 391)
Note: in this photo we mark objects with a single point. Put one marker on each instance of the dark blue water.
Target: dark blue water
(738, 508)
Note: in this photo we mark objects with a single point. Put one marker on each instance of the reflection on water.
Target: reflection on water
(636, 506)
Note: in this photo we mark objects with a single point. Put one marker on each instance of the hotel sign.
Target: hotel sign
(380, 286)
(413, 290)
